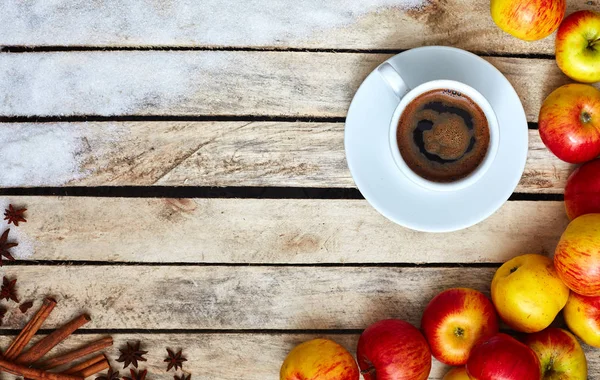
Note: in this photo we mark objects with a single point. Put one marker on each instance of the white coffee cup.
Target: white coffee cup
(407, 95)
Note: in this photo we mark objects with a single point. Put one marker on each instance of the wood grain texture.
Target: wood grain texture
(271, 231)
(210, 356)
(271, 154)
(192, 83)
(334, 24)
(240, 297)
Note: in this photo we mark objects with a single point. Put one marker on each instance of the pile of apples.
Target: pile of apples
(460, 327)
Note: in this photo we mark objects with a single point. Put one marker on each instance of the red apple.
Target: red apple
(560, 354)
(502, 357)
(528, 19)
(582, 315)
(454, 321)
(582, 194)
(577, 255)
(578, 46)
(393, 350)
(569, 123)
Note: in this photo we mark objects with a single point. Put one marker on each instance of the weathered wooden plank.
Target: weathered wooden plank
(375, 24)
(204, 154)
(239, 297)
(256, 356)
(268, 231)
(297, 84)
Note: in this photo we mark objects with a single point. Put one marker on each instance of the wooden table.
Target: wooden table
(200, 197)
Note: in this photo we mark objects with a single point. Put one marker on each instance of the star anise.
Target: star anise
(110, 375)
(183, 377)
(25, 306)
(14, 215)
(8, 291)
(175, 360)
(131, 355)
(4, 247)
(141, 375)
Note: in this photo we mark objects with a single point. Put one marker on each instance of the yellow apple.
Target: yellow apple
(582, 315)
(321, 359)
(578, 46)
(527, 292)
(577, 255)
(528, 20)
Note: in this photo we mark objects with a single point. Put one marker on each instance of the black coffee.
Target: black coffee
(443, 135)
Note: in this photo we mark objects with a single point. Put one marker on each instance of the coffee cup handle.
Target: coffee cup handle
(393, 79)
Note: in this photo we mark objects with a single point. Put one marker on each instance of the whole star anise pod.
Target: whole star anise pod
(14, 216)
(174, 360)
(110, 375)
(8, 291)
(131, 355)
(141, 375)
(183, 377)
(4, 247)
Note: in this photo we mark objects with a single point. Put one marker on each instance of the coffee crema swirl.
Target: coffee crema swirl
(443, 135)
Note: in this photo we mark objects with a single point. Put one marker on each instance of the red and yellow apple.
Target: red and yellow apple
(582, 193)
(458, 373)
(569, 122)
(578, 46)
(527, 292)
(577, 255)
(392, 350)
(560, 354)
(503, 357)
(454, 321)
(582, 315)
(528, 20)
(321, 359)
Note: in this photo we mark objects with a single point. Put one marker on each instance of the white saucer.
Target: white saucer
(383, 184)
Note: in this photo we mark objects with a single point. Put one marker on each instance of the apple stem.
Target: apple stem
(593, 43)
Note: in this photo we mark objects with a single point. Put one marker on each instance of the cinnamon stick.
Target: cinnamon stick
(46, 344)
(76, 354)
(83, 365)
(32, 373)
(94, 368)
(30, 329)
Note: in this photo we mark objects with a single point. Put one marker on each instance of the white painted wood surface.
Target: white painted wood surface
(271, 154)
(334, 24)
(270, 231)
(234, 83)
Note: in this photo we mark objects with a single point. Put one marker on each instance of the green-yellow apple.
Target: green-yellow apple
(577, 255)
(578, 46)
(569, 122)
(455, 320)
(528, 20)
(458, 373)
(582, 315)
(560, 354)
(321, 359)
(502, 357)
(527, 292)
(582, 193)
(392, 350)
